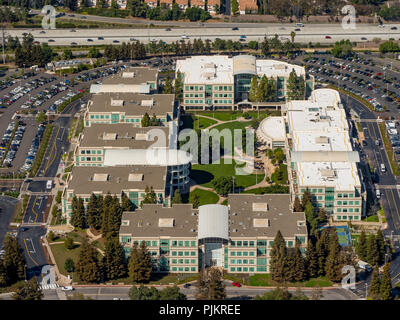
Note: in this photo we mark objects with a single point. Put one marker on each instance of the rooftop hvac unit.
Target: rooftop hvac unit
(147, 103)
(117, 103)
(128, 74)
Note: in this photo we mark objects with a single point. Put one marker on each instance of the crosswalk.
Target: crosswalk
(49, 286)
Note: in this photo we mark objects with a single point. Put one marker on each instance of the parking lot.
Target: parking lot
(355, 76)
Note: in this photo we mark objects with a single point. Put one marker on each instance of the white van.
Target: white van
(49, 184)
(378, 193)
(383, 168)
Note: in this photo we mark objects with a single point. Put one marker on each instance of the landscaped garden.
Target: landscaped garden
(205, 196)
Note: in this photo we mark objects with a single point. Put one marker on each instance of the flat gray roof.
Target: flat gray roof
(145, 222)
(132, 75)
(126, 135)
(82, 181)
(248, 214)
(134, 104)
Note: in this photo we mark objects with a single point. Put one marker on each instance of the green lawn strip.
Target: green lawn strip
(373, 218)
(63, 105)
(205, 196)
(389, 150)
(20, 209)
(264, 280)
(238, 277)
(381, 212)
(71, 131)
(225, 202)
(202, 123)
(270, 189)
(233, 115)
(175, 278)
(203, 174)
(42, 150)
(79, 128)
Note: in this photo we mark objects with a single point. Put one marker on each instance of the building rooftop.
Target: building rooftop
(263, 215)
(87, 180)
(248, 4)
(273, 127)
(343, 176)
(275, 68)
(155, 157)
(123, 135)
(132, 104)
(180, 220)
(333, 140)
(133, 75)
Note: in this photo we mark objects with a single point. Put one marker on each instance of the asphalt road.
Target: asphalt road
(7, 207)
(309, 33)
(35, 257)
(35, 209)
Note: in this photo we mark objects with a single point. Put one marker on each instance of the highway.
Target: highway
(309, 33)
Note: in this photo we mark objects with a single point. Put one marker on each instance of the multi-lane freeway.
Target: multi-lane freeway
(323, 33)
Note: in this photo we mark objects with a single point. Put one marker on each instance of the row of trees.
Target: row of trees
(372, 249)
(149, 122)
(381, 284)
(324, 257)
(29, 53)
(102, 213)
(296, 86)
(263, 90)
(12, 264)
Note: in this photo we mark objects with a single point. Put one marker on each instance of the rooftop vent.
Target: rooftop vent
(192, 230)
(147, 103)
(260, 206)
(194, 214)
(260, 223)
(234, 214)
(109, 136)
(100, 177)
(328, 173)
(166, 222)
(118, 179)
(322, 140)
(141, 136)
(135, 177)
(117, 103)
(128, 74)
(234, 230)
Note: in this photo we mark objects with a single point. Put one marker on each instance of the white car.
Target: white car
(67, 288)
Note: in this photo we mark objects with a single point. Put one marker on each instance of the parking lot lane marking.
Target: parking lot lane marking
(27, 251)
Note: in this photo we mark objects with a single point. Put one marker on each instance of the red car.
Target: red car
(236, 284)
(379, 74)
(328, 37)
(80, 90)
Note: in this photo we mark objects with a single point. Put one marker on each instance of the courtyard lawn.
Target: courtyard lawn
(205, 196)
(203, 174)
(202, 123)
(61, 254)
(373, 218)
(172, 278)
(233, 115)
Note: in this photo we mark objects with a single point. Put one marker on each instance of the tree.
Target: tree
(172, 293)
(342, 49)
(362, 246)
(265, 48)
(88, 267)
(322, 251)
(386, 289)
(380, 242)
(194, 199)
(299, 263)
(140, 264)
(3, 274)
(311, 260)
(69, 265)
(168, 85)
(292, 35)
(253, 89)
(114, 260)
(50, 236)
(178, 85)
(222, 185)
(235, 6)
(277, 255)
(145, 120)
(69, 243)
(177, 197)
(216, 287)
(372, 251)
(94, 209)
(71, 4)
(144, 293)
(126, 204)
(41, 117)
(332, 267)
(67, 54)
(374, 289)
(297, 205)
(307, 196)
(28, 291)
(14, 260)
(78, 216)
(149, 196)
(94, 53)
(389, 46)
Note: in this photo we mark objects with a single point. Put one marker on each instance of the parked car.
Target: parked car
(236, 284)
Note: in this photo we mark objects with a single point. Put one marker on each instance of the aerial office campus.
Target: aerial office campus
(110, 157)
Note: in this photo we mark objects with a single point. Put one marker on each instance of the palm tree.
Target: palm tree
(292, 35)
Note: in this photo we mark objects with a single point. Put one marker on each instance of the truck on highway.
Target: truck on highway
(49, 184)
(364, 266)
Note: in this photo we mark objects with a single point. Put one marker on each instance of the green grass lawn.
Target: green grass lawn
(265, 280)
(61, 254)
(202, 123)
(389, 150)
(373, 218)
(175, 278)
(232, 115)
(203, 174)
(205, 196)
(271, 189)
